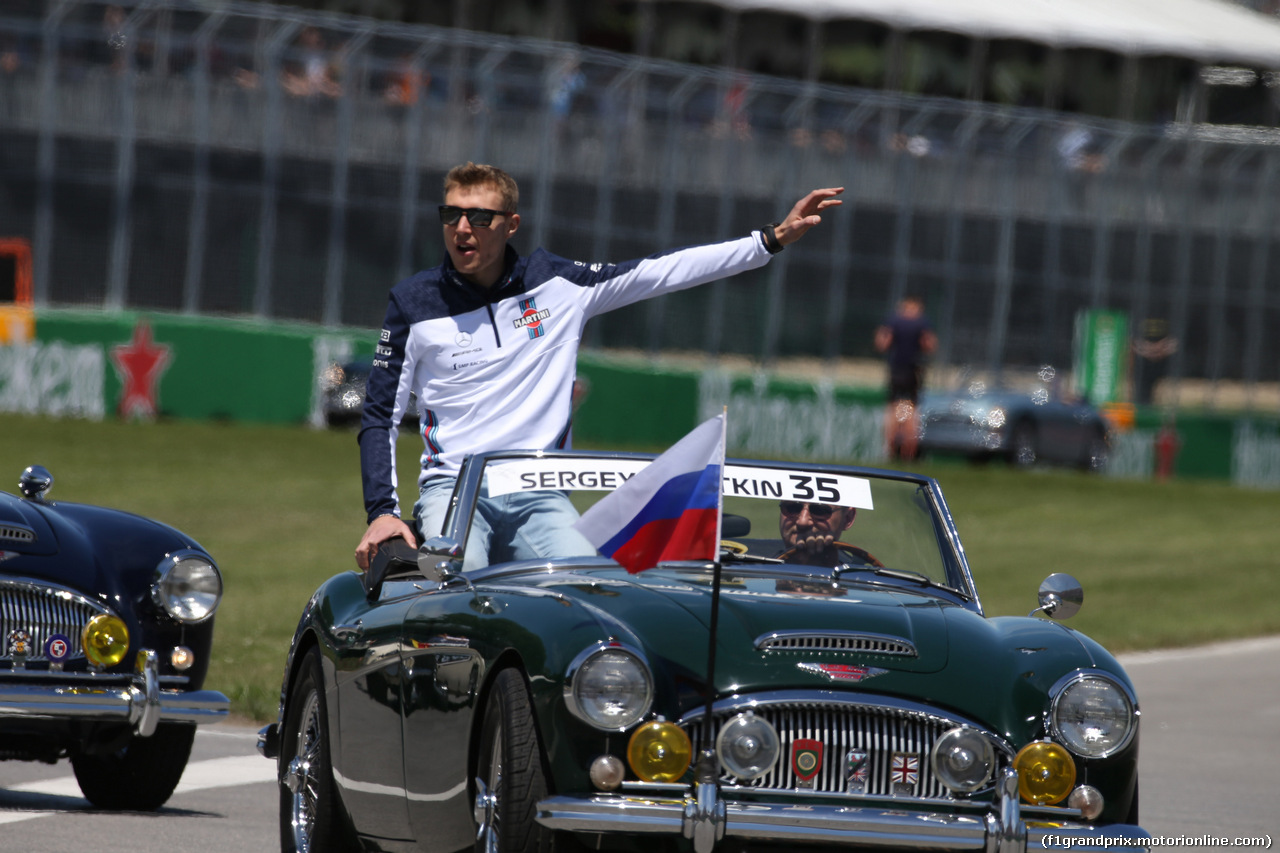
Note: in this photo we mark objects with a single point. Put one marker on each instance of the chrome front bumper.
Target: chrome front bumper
(141, 702)
(704, 818)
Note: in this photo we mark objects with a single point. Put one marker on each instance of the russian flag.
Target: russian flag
(670, 510)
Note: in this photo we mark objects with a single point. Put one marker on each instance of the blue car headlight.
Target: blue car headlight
(187, 586)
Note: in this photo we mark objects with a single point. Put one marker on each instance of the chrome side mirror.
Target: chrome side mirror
(35, 482)
(440, 559)
(1060, 597)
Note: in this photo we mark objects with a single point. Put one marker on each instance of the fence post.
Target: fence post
(331, 315)
(271, 130)
(46, 150)
(197, 224)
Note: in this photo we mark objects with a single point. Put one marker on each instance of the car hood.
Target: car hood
(102, 552)
(669, 613)
(997, 672)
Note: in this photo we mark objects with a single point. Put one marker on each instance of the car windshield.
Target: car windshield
(821, 516)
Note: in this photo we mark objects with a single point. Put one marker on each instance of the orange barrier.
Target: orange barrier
(17, 319)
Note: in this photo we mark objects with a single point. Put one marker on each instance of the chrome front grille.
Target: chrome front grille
(42, 610)
(896, 748)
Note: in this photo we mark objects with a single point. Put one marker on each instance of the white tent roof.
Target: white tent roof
(1210, 31)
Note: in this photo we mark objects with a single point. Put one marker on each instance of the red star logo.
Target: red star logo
(139, 364)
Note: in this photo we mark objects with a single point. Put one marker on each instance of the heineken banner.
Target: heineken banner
(1101, 355)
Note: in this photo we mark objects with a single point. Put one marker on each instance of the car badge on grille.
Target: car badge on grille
(857, 767)
(18, 646)
(904, 773)
(57, 649)
(843, 671)
(7, 555)
(806, 760)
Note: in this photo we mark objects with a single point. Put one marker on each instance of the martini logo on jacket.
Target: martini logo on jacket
(531, 318)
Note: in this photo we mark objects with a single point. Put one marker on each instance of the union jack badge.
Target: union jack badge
(806, 760)
(904, 773)
(857, 767)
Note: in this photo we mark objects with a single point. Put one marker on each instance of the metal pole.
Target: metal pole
(999, 331)
(1150, 188)
(905, 218)
(841, 259)
(1221, 265)
(271, 130)
(967, 139)
(331, 315)
(1182, 264)
(198, 222)
(46, 149)
(1266, 209)
(618, 118)
(409, 169)
(126, 165)
(656, 308)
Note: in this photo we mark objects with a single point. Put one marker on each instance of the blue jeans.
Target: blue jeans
(517, 526)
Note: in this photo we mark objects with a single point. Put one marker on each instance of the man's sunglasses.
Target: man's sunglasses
(479, 217)
(821, 512)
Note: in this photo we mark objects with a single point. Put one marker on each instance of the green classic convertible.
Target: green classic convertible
(831, 682)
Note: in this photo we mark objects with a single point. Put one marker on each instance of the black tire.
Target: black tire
(510, 767)
(1095, 454)
(1023, 450)
(312, 819)
(141, 775)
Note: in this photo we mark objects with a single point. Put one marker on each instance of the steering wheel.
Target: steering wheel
(862, 555)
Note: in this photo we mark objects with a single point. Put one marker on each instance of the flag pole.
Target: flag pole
(707, 771)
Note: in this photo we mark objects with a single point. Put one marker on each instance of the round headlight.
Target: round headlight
(609, 687)
(748, 746)
(659, 752)
(963, 759)
(187, 586)
(1093, 717)
(105, 639)
(1045, 772)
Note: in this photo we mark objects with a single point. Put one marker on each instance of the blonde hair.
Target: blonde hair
(480, 175)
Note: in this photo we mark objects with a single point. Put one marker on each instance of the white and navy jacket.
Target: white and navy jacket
(494, 370)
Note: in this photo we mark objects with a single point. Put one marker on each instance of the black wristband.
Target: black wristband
(770, 239)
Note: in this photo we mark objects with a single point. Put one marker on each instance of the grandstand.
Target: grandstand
(1138, 60)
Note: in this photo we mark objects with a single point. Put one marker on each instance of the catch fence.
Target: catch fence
(244, 159)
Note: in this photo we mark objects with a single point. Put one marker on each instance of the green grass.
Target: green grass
(1162, 564)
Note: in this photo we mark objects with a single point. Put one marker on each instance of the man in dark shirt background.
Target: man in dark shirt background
(905, 338)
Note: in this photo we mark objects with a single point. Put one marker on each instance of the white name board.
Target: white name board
(744, 481)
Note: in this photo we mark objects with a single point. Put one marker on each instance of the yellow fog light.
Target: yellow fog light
(105, 639)
(1046, 773)
(659, 752)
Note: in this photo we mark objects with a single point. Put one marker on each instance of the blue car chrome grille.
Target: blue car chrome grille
(896, 747)
(42, 610)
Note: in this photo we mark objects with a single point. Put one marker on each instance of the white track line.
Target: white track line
(200, 775)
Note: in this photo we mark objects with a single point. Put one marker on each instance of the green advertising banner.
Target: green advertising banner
(1101, 355)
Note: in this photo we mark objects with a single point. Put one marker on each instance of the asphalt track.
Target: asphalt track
(1210, 767)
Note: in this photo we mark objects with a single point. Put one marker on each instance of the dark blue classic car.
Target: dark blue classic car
(106, 626)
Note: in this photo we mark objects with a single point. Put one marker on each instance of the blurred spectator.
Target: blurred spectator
(566, 83)
(311, 74)
(905, 338)
(1079, 151)
(1152, 349)
(406, 83)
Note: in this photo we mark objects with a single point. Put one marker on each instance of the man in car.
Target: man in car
(810, 531)
(488, 340)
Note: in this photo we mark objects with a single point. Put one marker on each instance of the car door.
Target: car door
(370, 680)
(442, 675)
